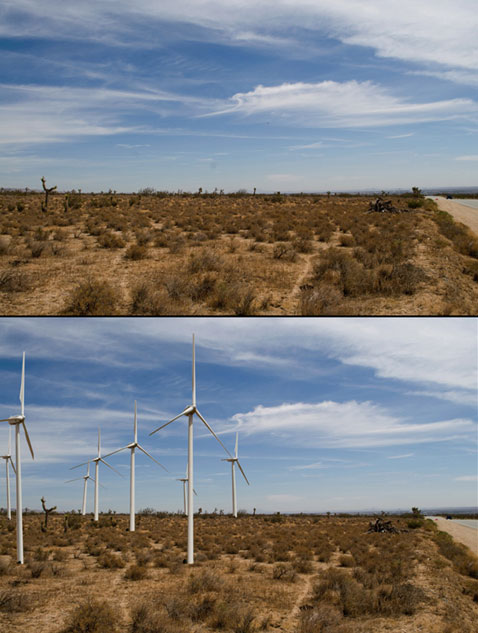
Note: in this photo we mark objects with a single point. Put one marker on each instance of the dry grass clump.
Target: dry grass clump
(136, 572)
(14, 281)
(136, 252)
(463, 240)
(464, 562)
(110, 240)
(92, 297)
(92, 616)
(16, 601)
(108, 560)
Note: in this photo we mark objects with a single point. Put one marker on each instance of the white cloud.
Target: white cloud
(345, 424)
(402, 135)
(38, 114)
(438, 353)
(439, 32)
(471, 157)
(405, 455)
(467, 478)
(346, 104)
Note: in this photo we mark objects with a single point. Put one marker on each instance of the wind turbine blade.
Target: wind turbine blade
(151, 457)
(135, 424)
(6, 420)
(78, 465)
(11, 464)
(194, 373)
(106, 464)
(22, 386)
(162, 427)
(195, 492)
(237, 441)
(209, 429)
(99, 441)
(9, 440)
(243, 473)
(114, 452)
(28, 440)
(70, 480)
(101, 486)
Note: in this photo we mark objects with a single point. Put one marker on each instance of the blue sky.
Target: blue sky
(333, 413)
(290, 95)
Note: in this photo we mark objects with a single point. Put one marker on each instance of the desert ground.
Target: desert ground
(294, 574)
(212, 254)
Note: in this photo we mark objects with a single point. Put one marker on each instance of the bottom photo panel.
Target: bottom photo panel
(296, 475)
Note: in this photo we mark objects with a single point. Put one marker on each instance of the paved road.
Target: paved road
(460, 212)
(461, 533)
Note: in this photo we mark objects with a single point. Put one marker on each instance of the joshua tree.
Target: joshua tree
(44, 205)
(47, 512)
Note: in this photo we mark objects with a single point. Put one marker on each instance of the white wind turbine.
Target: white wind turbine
(15, 421)
(235, 460)
(85, 477)
(190, 411)
(8, 458)
(184, 480)
(97, 461)
(134, 444)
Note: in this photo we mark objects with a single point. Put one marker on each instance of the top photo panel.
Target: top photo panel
(275, 158)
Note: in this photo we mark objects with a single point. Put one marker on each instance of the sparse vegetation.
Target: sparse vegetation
(298, 574)
(239, 255)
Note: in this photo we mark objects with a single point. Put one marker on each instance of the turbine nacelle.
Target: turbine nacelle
(15, 419)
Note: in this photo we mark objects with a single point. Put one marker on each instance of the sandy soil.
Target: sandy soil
(460, 212)
(461, 533)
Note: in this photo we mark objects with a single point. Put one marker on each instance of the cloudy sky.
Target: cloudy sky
(291, 95)
(333, 414)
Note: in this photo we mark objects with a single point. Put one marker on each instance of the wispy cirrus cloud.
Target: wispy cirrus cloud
(404, 29)
(346, 424)
(341, 104)
(38, 114)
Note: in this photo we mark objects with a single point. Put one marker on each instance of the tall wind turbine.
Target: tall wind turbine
(8, 458)
(16, 421)
(97, 461)
(85, 477)
(235, 460)
(190, 411)
(134, 444)
(184, 480)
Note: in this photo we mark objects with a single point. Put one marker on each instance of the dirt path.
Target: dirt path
(460, 212)
(461, 533)
(294, 614)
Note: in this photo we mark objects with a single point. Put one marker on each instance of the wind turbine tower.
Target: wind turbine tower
(97, 461)
(8, 458)
(185, 480)
(134, 444)
(85, 477)
(235, 460)
(190, 411)
(16, 421)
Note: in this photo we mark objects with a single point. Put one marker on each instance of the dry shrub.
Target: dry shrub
(203, 261)
(110, 240)
(285, 252)
(136, 252)
(346, 240)
(107, 560)
(321, 300)
(4, 245)
(14, 281)
(92, 297)
(147, 299)
(319, 620)
(15, 601)
(232, 616)
(204, 581)
(136, 572)
(284, 572)
(93, 616)
(148, 619)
